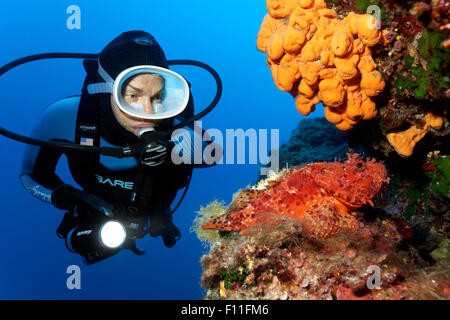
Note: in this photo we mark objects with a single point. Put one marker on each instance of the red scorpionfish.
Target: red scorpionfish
(320, 196)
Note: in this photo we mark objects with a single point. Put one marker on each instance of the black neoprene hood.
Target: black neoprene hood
(132, 48)
(129, 49)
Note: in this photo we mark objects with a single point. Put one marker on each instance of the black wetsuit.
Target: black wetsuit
(113, 180)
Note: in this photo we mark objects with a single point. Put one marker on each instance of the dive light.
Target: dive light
(95, 244)
(112, 234)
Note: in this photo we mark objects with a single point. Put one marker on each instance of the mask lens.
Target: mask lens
(158, 108)
(142, 93)
(149, 92)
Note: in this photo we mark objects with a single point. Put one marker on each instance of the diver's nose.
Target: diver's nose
(148, 106)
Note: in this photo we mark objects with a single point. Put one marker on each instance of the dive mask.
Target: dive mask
(173, 100)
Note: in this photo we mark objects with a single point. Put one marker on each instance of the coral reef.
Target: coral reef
(415, 67)
(438, 170)
(330, 230)
(419, 188)
(442, 254)
(318, 197)
(318, 57)
(420, 197)
(417, 51)
(281, 264)
(396, 249)
(411, 63)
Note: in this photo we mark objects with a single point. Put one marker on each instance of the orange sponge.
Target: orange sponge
(316, 57)
(405, 141)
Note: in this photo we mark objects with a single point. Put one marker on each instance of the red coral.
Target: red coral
(404, 228)
(444, 6)
(345, 293)
(429, 167)
(408, 25)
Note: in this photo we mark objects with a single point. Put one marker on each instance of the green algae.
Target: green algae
(441, 253)
(440, 178)
(362, 5)
(418, 76)
(230, 276)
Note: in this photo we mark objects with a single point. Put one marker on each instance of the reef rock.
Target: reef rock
(314, 140)
(296, 243)
(281, 264)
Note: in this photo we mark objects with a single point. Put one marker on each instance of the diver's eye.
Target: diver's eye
(157, 97)
(131, 96)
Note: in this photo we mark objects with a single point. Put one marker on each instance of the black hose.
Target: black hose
(42, 56)
(109, 151)
(37, 142)
(216, 98)
(183, 195)
(115, 152)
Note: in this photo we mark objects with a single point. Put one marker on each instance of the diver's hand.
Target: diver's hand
(66, 197)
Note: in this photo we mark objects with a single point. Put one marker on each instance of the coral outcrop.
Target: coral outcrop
(393, 75)
(320, 231)
(318, 57)
(370, 264)
(382, 257)
(396, 249)
(415, 68)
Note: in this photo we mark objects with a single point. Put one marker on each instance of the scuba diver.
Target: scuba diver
(131, 102)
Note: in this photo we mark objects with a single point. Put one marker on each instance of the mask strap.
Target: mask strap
(101, 87)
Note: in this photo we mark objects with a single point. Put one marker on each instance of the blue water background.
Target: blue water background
(33, 261)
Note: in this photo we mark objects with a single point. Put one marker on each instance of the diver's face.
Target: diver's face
(145, 89)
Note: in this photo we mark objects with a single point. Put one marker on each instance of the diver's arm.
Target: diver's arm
(191, 148)
(57, 123)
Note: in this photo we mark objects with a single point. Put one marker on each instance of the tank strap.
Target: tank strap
(88, 119)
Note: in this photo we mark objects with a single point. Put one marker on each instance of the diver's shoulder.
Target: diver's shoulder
(63, 111)
(58, 120)
(67, 105)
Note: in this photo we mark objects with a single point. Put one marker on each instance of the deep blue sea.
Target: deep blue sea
(33, 261)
